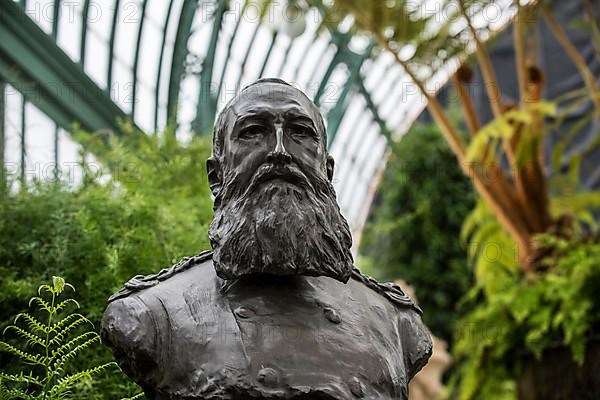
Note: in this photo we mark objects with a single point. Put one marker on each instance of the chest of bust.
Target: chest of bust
(308, 336)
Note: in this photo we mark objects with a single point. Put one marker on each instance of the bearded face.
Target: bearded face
(275, 207)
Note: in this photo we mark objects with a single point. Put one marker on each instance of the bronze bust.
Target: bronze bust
(277, 310)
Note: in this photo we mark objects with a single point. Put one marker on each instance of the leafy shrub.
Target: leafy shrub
(422, 201)
(517, 314)
(51, 341)
(149, 206)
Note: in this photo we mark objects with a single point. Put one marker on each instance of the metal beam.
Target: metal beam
(160, 63)
(286, 55)
(111, 46)
(246, 56)
(229, 48)
(336, 114)
(180, 52)
(55, 17)
(136, 59)
(2, 134)
(373, 108)
(55, 21)
(207, 103)
(313, 73)
(304, 57)
(337, 59)
(32, 63)
(84, 28)
(23, 139)
(268, 56)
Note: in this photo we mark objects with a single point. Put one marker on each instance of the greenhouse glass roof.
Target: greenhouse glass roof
(156, 61)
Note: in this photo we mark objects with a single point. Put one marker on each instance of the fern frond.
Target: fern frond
(64, 384)
(21, 378)
(59, 391)
(45, 288)
(58, 285)
(14, 394)
(65, 303)
(30, 337)
(72, 344)
(41, 303)
(136, 397)
(59, 345)
(59, 362)
(58, 326)
(22, 355)
(62, 333)
(88, 373)
(32, 323)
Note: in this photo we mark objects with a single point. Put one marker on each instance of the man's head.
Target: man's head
(270, 173)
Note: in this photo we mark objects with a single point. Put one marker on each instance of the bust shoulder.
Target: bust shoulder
(141, 282)
(138, 312)
(416, 340)
(142, 318)
(389, 290)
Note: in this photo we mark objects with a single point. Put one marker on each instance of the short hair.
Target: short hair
(221, 123)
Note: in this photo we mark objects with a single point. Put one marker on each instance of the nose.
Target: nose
(279, 155)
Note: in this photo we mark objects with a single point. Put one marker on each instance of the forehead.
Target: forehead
(273, 98)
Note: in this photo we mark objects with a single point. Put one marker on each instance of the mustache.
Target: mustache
(288, 172)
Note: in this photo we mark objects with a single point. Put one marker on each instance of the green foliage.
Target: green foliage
(503, 128)
(516, 314)
(493, 255)
(142, 207)
(425, 38)
(51, 337)
(422, 201)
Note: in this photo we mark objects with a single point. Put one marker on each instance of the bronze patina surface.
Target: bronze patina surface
(277, 310)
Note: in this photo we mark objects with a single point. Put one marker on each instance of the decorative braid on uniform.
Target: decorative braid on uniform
(389, 290)
(140, 282)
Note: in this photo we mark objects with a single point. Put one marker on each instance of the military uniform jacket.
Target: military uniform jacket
(187, 334)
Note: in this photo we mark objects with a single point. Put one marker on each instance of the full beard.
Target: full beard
(279, 226)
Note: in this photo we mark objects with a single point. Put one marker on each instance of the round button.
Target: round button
(357, 387)
(243, 312)
(332, 315)
(268, 377)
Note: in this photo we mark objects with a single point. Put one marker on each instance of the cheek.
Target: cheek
(310, 155)
(246, 157)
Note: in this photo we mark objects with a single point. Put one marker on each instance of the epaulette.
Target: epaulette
(140, 282)
(389, 290)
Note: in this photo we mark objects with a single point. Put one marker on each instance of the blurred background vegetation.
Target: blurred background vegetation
(147, 206)
(422, 201)
(506, 268)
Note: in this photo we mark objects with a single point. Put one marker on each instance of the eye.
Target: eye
(252, 132)
(301, 132)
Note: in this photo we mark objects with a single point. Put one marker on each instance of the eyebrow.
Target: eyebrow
(261, 114)
(253, 115)
(301, 116)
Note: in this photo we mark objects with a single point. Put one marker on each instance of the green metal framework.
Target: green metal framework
(33, 60)
(2, 128)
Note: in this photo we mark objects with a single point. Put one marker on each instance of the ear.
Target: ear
(215, 179)
(330, 164)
